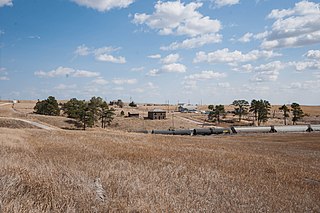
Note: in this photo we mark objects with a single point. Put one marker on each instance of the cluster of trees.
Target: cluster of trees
(296, 110)
(49, 106)
(86, 112)
(259, 108)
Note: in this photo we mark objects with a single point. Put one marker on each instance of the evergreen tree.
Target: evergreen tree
(216, 112)
(285, 111)
(296, 112)
(241, 108)
(49, 106)
(260, 109)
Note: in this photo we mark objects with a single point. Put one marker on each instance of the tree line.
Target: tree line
(87, 113)
(259, 108)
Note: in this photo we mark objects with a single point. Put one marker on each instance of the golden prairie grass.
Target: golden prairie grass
(100, 171)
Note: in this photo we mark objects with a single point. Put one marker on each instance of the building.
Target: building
(133, 115)
(187, 108)
(157, 114)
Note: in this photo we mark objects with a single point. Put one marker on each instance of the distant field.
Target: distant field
(100, 171)
(103, 170)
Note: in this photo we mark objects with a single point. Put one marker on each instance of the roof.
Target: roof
(157, 110)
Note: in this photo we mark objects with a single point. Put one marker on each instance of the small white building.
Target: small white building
(187, 108)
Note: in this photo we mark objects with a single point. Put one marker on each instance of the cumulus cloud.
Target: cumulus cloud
(65, 87)
(194, 42)
(137, 69)
(225, 56)
(153, 72)
(100, 54)
(246, 38)
(178, 18)
(82, 50)
(156, 56)
(66, 71)
(268, 72)
(312, 61)
(4, 78)
(104, 5)
(100, 81)
(120, 81)
(5, 3)
(313, 54)
(190, 81)
(306, 65)
(222, 3)
(111, 58)
(172, 58)
(205, 75)
(174, 67)
(298, 26)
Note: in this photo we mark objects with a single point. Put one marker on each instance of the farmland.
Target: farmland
(114, 170)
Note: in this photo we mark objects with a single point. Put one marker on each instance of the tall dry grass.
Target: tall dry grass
(96, 171)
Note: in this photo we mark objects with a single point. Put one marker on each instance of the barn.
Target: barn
(157, 114)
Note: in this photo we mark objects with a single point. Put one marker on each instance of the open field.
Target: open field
(99, 171)
(176, 120)
(113, 170)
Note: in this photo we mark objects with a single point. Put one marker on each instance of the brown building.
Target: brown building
(157, 114)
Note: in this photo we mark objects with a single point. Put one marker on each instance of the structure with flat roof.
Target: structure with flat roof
(157, 114)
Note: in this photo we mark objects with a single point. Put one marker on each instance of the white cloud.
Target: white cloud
(5, 3)
(313, 54)
(205, 75)
(65, 87)
(104, 5)
(85, 74)
(119, 81)
(224, 84)
(174, 67)
(268, 72)
(111, 58)
(172, 58)
(82, 50)
(101, 54)
(156, 56)
(153, 72)
(246, 68)
(4, 78)
(65, 71)
(298, 26)
(137, 69)
(222, 3)
(246, 38)
(177, 18)
(306, 65)
(100, 81)
(225, 56)
(194, 42)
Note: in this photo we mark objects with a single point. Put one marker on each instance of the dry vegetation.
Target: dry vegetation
(100, 171)
(112, 170)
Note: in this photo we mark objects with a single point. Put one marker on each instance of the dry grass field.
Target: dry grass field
(100, 171)
(115, 171)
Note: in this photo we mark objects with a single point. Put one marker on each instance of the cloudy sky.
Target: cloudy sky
(209, 51)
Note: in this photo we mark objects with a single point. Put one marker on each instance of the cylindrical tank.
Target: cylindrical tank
(296, 128)
(315, 127)
(202, 131)
(163, 132)
(220, 131)
(182, 132)
(259, 129)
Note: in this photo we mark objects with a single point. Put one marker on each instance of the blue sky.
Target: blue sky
(209, 51)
